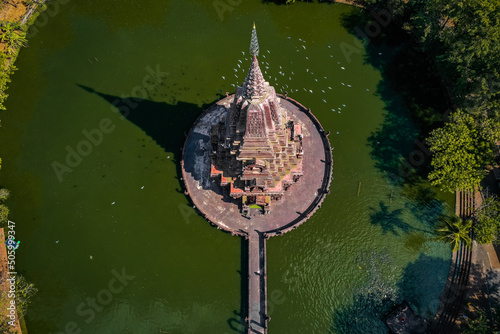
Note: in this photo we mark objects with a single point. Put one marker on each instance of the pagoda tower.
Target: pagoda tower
(257, 148)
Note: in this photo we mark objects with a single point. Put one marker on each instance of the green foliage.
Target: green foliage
(14, 37)
(481, 325)
(464, 38)
(472, 44)
(24, 293)
(4, 210)
(455, 232)
(462, 149)
(4, 194)
(487, 221)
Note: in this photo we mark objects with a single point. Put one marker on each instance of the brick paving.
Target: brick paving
(298, 204)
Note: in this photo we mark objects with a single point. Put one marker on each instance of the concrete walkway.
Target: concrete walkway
(257, 284)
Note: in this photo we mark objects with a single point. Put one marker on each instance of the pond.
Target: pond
(108, 236)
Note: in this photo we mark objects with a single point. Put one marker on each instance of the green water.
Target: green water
(121, 207)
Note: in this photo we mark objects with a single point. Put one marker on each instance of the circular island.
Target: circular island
(257, 164)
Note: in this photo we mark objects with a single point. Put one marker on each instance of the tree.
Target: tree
(463, 149)
(472, 46)
(487, 220)
(480, 325)
(4, 210)
(24, 293)
(455, 232)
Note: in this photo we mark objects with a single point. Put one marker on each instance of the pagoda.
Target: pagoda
(257, 148)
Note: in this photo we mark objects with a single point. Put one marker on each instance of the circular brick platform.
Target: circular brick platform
(298, 203)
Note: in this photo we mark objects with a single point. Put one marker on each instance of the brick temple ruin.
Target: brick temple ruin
(257, 148)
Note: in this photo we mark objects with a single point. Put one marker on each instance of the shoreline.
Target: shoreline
(17, 18)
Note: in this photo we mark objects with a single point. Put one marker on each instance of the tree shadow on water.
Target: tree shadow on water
(421, 285)
(166, 124)
(423, 282)
(390, 221)
(423, 203)
(415, 99)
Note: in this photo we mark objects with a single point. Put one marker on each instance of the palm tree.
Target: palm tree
(456, 231)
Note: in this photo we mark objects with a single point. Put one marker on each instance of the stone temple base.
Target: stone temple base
(298, 203)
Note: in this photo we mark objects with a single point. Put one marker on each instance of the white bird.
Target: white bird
(343, 105)
(324, 100)
(329, 87)
(142, 187)
(57, 241)
(322, 90)
(307, 57)
(268, 51)
(367, 90)
(337, 132)
(307, 70)
(343, 84)
(168, 157)
(113, 203)
(348, 85)
(223, 77)
(243, 53)
(324, 77)
(342, 67)
(310, 90)
(304, 47)
(316, 80)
